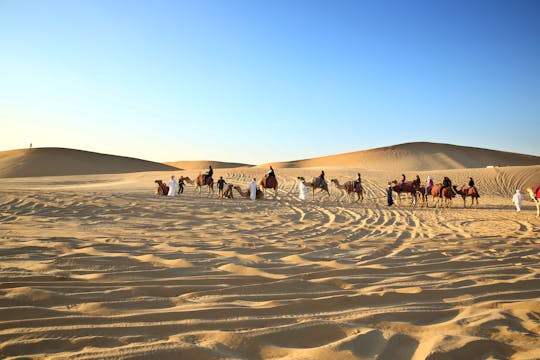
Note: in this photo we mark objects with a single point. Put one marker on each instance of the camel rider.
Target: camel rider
(270, 174)
(209, 174)
(416, 182)
(429, 185)
(358, 182)
(323, 181)
(471, 185)
(401, 182)
(447, 183)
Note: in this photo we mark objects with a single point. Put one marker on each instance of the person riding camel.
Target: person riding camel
(209, 174)
(471, 185)
(402, 181)
(429, 185)
(358, 182)
(321, 176)
(270, 174)
(447, 183)
(416, 182)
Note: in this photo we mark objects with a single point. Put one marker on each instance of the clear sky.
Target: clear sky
(261, 81)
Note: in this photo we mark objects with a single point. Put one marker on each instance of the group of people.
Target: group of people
(416, 183)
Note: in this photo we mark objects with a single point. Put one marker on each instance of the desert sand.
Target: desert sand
(98, 266)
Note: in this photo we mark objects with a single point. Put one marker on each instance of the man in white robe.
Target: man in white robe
(302, 190)
(172, 186)
(517, 199)
(253, 189)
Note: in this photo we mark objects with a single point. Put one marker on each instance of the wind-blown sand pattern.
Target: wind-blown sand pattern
(98, 266)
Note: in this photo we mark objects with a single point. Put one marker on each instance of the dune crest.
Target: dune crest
(416, 156)
(61, 161)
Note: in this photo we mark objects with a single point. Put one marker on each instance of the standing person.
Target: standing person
(220, 184)
(172, 186)
(389, 193)
(253, 189)
(302, 190)
(358, 182)
(517, 199)
(180, 185)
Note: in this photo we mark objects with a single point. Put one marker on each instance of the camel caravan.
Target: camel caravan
(441, 194)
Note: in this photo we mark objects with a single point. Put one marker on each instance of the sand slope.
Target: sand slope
(60, 161)
(100, 267)
(417, 156)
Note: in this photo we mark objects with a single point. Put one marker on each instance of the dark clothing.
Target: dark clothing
(180, 186)
(271, 173)
(220, 184)
(416, 182)
(389, 193)
(210, 173)
(471, 183)
(322, 175)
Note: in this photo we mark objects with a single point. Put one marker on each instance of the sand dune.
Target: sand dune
(417, 156)
(60, 161)
(203, 164)
(97, 266)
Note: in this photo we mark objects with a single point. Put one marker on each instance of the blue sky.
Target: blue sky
(257, 82)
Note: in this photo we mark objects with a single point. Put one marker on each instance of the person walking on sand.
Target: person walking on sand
(302, 189)
(220, 184)
(253, 189)
(389, 194)
(517, 199)
(172, 186)
(180, 185)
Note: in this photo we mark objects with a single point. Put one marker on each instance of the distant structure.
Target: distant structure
(30, 145)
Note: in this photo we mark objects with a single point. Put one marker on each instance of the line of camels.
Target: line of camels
(440, 197)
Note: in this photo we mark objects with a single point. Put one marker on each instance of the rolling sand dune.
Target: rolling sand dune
(60, 161)
(98, 266)
(417, 156)
(203, 164)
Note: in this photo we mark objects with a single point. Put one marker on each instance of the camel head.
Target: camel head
(335, 181)
(301, 178)
(158, 181)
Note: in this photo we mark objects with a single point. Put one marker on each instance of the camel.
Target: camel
(204, 180)
(535, 196)
(408, 187)
(350, 188)
(316, 183)
(246, 194)
(466, 191)
(162, 189)
(269, 183)
(446, 195)
(228, 192)
(188, 180)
